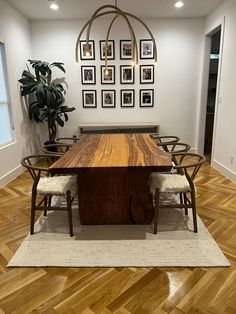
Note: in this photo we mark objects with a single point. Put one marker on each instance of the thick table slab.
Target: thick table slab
(113, 171)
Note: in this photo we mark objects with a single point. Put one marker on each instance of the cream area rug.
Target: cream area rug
(175, 244)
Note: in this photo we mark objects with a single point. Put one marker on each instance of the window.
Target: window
(5, 118)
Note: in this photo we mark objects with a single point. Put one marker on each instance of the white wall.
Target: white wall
(225, 125)
(177, 77)
(14, 32)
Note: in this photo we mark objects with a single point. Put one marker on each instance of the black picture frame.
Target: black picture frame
(127, 98)
(88, 75)
(146, 98)
(89, 99)
(147, 74)
(146, 49)
(108, 98)
(125, 49)
(110, 77)
(82, 50)
(127, 74)
(111, 50)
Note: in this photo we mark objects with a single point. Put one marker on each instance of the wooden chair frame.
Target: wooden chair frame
(56, 148)
(187, 200)
(73, 139)
(45, 203)
(165, 140)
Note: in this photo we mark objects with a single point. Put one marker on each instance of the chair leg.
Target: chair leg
(69, 212)
(185, 201)
(33, 201)
(45, 205)
(156, 210)
(194, 212)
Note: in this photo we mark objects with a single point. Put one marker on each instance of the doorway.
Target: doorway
(211, 94)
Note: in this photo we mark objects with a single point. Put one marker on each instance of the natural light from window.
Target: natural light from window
(5, 121)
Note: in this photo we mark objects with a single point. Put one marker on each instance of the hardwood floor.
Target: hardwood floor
(121, 290)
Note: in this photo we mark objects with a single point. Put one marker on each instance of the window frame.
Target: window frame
(3, 57)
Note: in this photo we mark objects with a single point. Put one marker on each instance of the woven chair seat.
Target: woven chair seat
(57, 185)
(168, 183)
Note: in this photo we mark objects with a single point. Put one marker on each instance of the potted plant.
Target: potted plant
(45, 96)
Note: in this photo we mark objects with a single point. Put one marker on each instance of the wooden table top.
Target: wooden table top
(112, 151)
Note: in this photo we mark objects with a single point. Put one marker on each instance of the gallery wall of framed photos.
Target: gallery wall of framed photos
(121, 85)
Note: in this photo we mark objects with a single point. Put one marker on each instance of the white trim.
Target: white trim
(221, 51)
(202, 116)
(224, 170)
(10, 176)
(3, 56)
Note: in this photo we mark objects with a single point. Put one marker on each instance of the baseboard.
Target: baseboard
(225, 171)
(10, 176)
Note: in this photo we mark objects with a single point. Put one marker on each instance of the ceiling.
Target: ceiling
(73, 9)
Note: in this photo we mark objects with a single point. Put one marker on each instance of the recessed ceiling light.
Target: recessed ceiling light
(179, 4)
(54, 6)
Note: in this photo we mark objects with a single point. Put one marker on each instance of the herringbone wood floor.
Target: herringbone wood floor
(121, 290)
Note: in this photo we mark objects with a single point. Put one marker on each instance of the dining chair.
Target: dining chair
(163, 185)
(45, 187)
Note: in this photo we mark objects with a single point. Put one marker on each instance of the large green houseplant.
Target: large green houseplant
(45, 97)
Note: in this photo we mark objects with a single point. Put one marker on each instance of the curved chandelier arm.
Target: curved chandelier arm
(95, 15)
(118, 12)
(132, 36)
(88, 23)
(148, 30)
(81, 33)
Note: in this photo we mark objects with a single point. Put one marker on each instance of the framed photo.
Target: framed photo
(126, 74)
(87, 55)
(110, 49)
(108, 98)
(125, 50)
(146, 74)
(88, 74)
(146, 98)
(146, 49)
(89, 98)
(127, 98)
(109, 77)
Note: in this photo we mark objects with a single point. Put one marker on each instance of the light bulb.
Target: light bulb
(133, 63)
(87, 54)
(136, 65)
(106, 72)
(54, 6)
(179, 4)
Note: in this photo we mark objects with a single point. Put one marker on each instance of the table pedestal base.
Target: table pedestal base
(114, 197)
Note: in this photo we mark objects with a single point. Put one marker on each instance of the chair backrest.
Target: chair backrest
(175, 147)
(58, 148)
(165, 140)
(168, 139)
(69, 140)
(36, 164)
(188, 164)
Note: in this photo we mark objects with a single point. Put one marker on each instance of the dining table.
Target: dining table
(112, 174)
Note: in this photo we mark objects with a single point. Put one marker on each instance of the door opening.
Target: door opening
(211, 96)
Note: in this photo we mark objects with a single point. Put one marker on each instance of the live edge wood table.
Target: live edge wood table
(113, 171)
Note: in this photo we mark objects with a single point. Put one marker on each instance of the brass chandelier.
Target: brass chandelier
(114, 10)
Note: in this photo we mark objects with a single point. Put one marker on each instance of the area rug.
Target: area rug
(175, 244)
